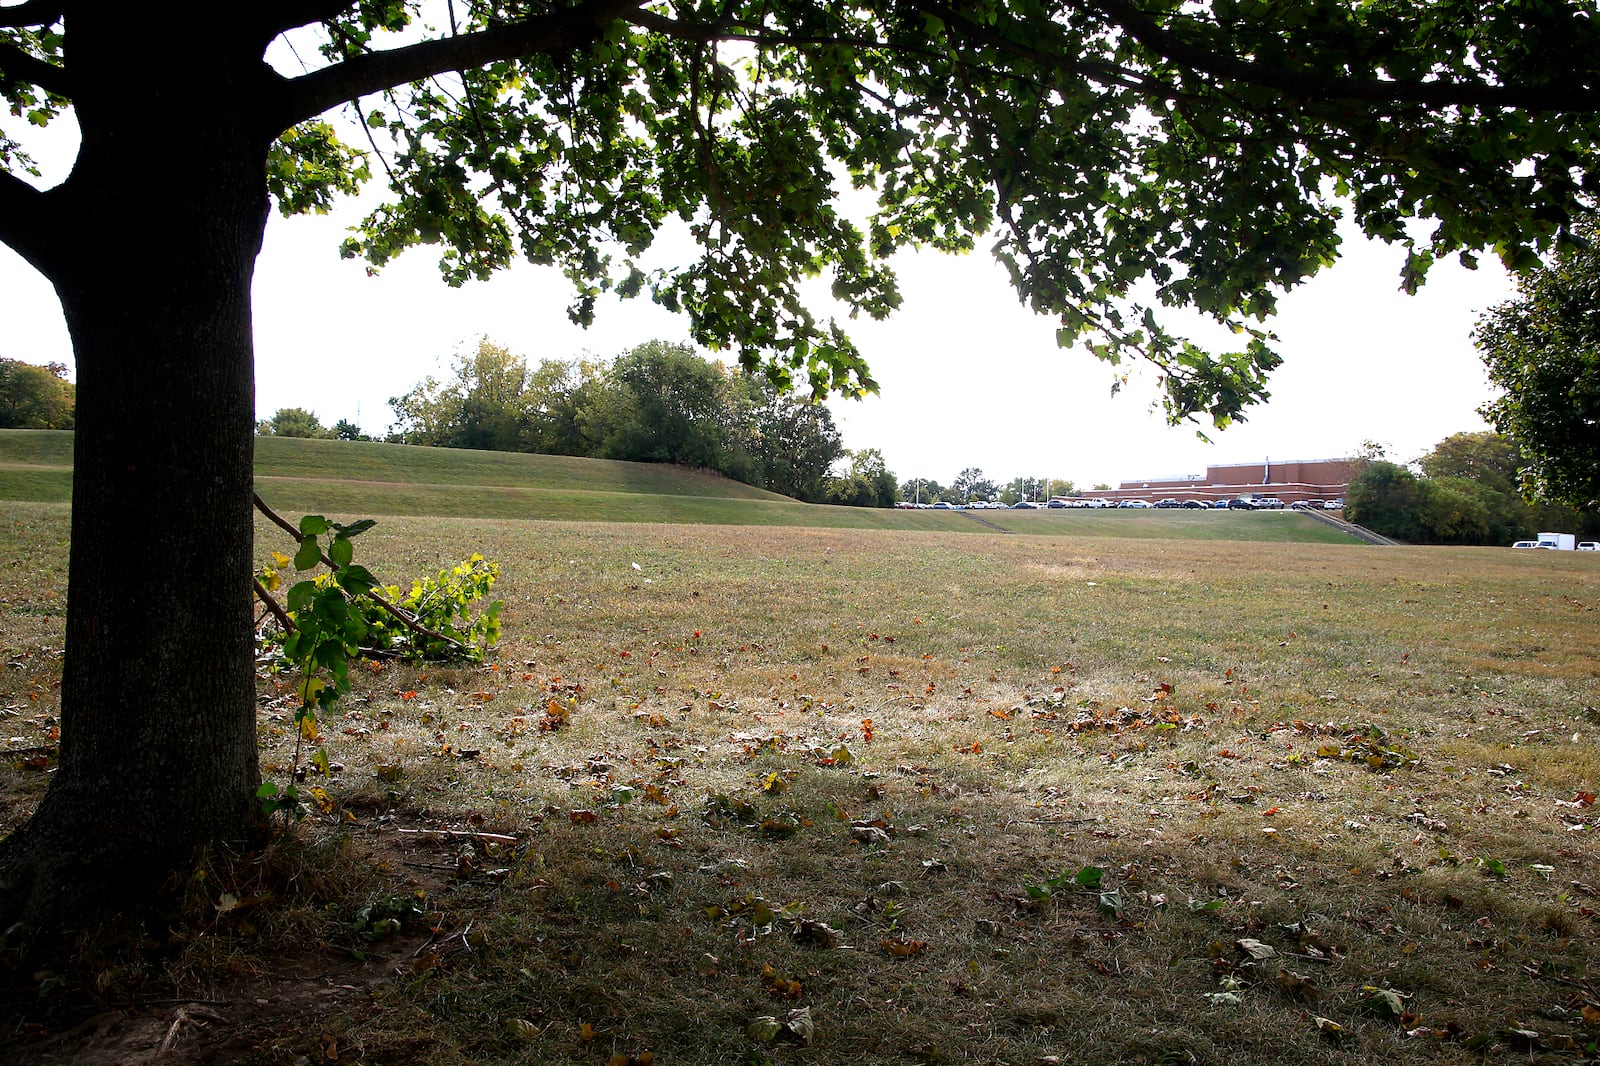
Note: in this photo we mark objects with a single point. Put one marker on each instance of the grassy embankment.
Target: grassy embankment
(358, 478)
(1376, 764)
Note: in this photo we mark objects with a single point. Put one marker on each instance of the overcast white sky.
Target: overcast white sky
(968, 377)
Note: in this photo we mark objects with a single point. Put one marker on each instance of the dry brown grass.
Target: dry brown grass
(1193, 718)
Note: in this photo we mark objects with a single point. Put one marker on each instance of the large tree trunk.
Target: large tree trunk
(158, 742)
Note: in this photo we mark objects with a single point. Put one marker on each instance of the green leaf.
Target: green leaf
(355, 529)
(341, 551)
(309, 555)
(313, 525)
(300, 596)
(356, 579)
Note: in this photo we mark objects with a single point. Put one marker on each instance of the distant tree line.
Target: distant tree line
(298, 422)
(659, 403)
(1467, 490)
(36, 397)
(971, 486)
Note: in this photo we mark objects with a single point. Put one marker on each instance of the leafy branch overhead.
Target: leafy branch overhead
(1121, 158)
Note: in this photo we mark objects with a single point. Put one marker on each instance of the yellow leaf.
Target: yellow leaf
(323, 800)
(280, 560)
(308, 729)
(586, 1032)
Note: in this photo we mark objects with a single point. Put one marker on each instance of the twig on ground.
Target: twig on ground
(492, 838)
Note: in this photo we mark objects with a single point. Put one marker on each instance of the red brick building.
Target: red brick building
(1290, 482)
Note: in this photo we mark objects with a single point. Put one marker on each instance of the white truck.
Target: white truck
(1558, 541)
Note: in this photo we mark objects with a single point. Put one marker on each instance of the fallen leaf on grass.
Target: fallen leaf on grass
(764, 1029)
(522, 1029)
(900, 947)
(1255, 948)
(1298, 986)
(1384, 1002)
(820, 934)
(868, 834)
(778, 985)
(798, 1025)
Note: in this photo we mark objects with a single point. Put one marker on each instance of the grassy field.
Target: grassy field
(352, 477)
(916, 797)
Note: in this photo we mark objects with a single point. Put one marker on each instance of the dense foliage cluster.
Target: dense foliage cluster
(1543, 349)
(659, 403)
(36, 397)
(1468, 492)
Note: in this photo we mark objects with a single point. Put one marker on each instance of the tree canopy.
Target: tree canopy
(293, 422)
(1543, 349)
(1121, 157)
(1468, 493)
(659, 403)
(35, 397)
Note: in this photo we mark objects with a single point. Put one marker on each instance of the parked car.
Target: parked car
(1197, 505)
(1056, 504)
(1589, 546)
(1168, 502)
(1268, 503)
(1220, 505)
(1333, 505)
(1135, 503)
(1023, 505)
(942, 506)
(1526, 544)
(1241, 504)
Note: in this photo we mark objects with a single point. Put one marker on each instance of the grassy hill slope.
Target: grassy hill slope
(367, 478)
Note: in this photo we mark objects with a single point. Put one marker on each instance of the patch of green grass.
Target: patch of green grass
(1280, 526)
(575, 505)
(39, 484)
(36, 447)
(365, 461)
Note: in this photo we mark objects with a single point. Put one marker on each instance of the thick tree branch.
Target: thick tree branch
(311, 94)
(1302, 85)
(24, 221)
(19, 65)
(276, 18)
(31, 13)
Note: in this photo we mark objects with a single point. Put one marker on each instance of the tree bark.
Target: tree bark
(153, 268)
